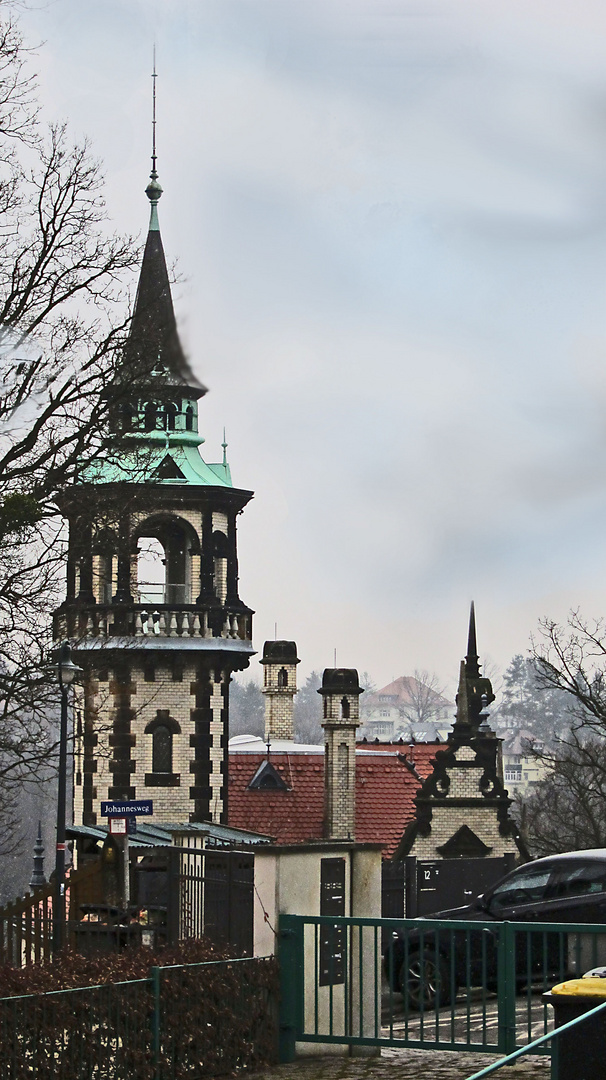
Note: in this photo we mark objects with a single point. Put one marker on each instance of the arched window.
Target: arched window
(166, 546)
(283, 677)
(344, 709)
(126, 417)
(162, 730)
(189, 418)
(162, 750)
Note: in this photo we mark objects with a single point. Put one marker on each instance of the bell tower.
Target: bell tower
(152, 607)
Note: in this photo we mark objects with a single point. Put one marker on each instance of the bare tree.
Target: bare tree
(426, 701)
(567, 809)
(308, 711)
(572, 659)
(63, 316)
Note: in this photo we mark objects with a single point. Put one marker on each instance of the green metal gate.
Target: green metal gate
(435, 984)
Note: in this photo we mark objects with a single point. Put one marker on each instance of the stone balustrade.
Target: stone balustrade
(153, 622)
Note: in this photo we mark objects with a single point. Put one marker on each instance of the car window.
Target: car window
(580, 880)
(525, 887)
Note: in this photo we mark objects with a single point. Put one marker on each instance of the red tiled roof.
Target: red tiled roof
(385, 790)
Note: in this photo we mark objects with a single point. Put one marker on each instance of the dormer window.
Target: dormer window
(267, 778)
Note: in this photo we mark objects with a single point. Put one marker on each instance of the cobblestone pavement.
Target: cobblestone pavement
(405, 1065)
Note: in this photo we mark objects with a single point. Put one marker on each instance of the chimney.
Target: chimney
(340, 691)
(279, 686)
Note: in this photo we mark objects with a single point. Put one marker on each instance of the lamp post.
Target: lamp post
(67, 673)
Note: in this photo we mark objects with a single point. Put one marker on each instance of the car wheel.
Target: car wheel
(424, 981)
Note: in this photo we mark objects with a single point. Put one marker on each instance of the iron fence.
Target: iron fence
(194, 1020)
(433, 984)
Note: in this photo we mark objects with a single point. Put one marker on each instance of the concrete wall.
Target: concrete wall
(287, 882)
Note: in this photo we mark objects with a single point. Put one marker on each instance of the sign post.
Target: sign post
(121, 815)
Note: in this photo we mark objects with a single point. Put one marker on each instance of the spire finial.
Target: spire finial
(154, 189)
(473, 670)
(154, 174)
(224, 445)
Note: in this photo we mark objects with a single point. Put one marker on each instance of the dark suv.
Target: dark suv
(571, 888)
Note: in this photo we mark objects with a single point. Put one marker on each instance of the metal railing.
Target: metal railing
(185, 1021)
(432, 984)
(536, 1043)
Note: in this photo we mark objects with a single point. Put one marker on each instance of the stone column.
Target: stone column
(206, 559)
(232, 560)
(123, 594)
(85, 552)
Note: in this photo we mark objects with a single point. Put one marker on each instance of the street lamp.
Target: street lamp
(67, 673)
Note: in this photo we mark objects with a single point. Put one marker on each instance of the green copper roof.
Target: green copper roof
(175, 464)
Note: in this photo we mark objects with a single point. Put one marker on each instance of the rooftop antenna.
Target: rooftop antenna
(335, 657)
(275, 631)
(224, 445)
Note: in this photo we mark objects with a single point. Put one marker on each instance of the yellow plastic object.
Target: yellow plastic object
(582, 988)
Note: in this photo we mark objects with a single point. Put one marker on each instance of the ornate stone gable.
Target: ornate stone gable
(462, 808)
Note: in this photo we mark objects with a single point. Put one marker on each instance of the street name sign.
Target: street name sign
(140, 808)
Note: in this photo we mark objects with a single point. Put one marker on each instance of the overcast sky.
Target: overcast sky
(390, 220)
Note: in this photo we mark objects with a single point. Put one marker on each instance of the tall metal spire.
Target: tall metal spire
(154, 189)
